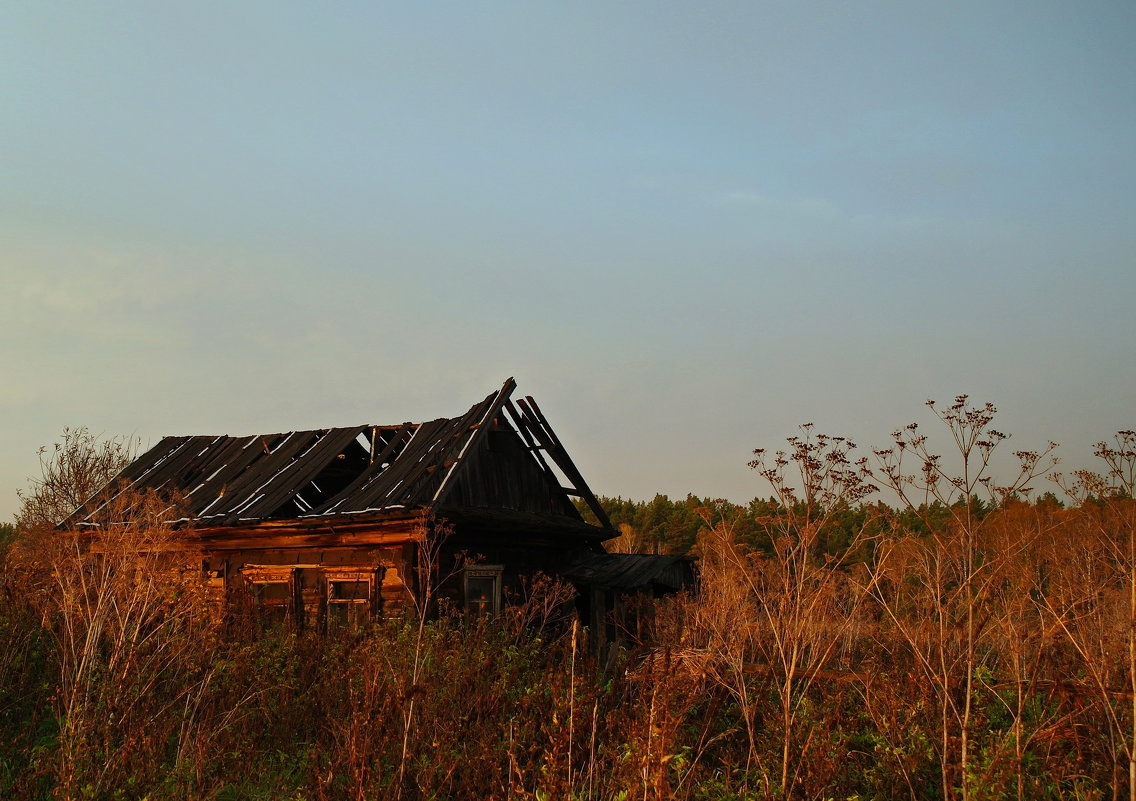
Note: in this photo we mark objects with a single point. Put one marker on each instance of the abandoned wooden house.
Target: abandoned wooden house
(342, 524)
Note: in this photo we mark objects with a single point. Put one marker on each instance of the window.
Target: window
(482, 589)
(349, 595)
(273, 592)
(349, 591)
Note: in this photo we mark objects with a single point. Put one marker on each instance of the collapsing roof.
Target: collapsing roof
(355, 471)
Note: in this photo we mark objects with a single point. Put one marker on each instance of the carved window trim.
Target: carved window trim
(355, 606)
(260, 578)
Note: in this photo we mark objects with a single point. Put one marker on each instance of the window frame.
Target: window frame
(259, 577)
(353, 573)
(493, 572)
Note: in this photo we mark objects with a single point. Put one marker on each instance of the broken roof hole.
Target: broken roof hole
(338, 473)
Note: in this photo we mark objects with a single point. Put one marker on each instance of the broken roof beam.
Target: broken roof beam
(547, 438)
(475, 432)
(521, 425)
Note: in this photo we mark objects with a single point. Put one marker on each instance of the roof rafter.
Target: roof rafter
(535, 422)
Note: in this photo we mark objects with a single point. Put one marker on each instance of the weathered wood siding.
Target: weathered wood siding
(309, 574)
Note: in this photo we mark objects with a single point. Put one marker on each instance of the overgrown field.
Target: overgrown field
(948, 649)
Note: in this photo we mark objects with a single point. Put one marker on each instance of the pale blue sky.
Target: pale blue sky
(684, 228)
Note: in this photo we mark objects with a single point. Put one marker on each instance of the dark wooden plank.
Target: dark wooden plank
(228, 461)
(245, 489)
(547, 437)
(534, 447)
(171, 473)
(469, 429)
(147, 461)
(472, 429)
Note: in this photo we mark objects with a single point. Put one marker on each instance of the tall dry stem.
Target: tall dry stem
(1107, 505)
(958, 574)
(805, 599)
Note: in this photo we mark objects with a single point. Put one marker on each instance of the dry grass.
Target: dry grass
(971, 656)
